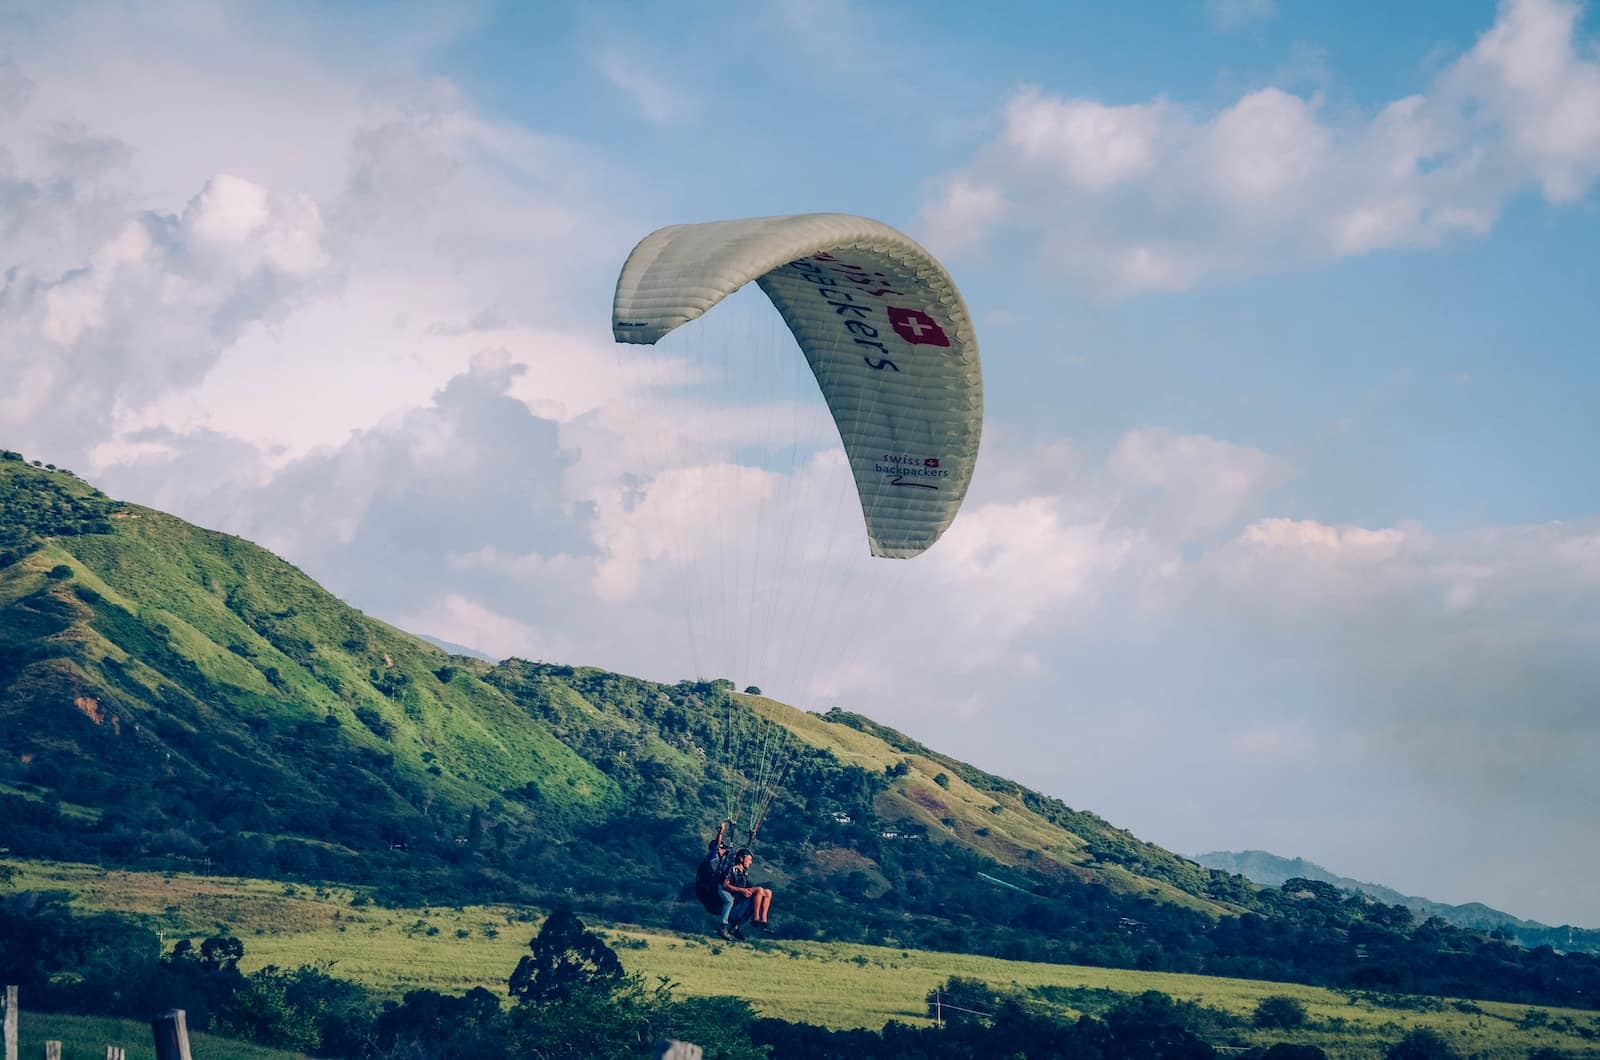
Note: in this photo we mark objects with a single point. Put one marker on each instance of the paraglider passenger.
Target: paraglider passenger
(751, 902)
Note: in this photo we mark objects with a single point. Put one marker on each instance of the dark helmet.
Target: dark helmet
(742, 853)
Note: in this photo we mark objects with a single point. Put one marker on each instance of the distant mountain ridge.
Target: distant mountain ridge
(1271, 870)
(459, 649)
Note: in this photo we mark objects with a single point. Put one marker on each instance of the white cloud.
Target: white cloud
(965, 212)
(1537, 89)
(1185, 486)
(460, 620)
(1264, 150)
(292, 300)
(1011, 563)
(1092, 145)
(1231, 14)
(1157, 196)
(628, 69)
(153, 307)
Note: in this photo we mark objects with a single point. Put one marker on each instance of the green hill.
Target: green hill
(145, 662)
(175, 697)
(150, 666)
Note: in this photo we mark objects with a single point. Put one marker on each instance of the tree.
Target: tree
(942, 779)
(1279, 1012)
(221, 953)
(593, 1019)
(1421, 1044)
(960, 1000)
(566, 955)
(448, 1026)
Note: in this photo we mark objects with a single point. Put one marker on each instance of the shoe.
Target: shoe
(722, 933)
(737, 934)
(763, 925)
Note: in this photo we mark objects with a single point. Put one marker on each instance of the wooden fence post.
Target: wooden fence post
(116, 1052)
(52, 1050)
(171, 1031)
(10, 1005)
(672, 1050)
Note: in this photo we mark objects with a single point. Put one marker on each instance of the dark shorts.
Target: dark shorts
(741, 910)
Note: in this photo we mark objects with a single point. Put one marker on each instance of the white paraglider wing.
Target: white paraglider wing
(883, 327)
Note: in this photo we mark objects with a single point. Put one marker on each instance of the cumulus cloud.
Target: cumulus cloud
(1159, 196)
(153, 307)
(306, 294)
(1535, 88)
(1050, 547)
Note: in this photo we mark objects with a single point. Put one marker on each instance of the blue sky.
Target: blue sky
(1285, 533)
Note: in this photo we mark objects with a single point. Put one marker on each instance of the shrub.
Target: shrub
(260, 1011)
(1421, 1044)
(375, 723)
(1279, 1012)
(960, 1000)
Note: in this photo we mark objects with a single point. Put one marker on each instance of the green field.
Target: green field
(88, 1036)
(834, 984)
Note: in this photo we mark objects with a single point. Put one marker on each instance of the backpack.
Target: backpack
(708, 883)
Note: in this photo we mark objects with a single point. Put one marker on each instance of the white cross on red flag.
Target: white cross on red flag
(917, 327)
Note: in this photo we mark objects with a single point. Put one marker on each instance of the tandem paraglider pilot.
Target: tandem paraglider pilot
(708, 880)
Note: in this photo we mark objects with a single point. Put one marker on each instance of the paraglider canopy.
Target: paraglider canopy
(882, 326)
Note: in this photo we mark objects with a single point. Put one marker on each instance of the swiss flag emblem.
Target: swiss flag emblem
(917, 327)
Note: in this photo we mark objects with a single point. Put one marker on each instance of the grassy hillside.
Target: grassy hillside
(165, 639)
(949, 800)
